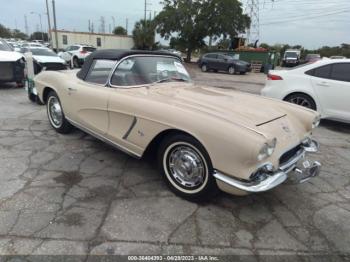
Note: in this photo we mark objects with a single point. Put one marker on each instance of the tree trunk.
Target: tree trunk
(189, 55)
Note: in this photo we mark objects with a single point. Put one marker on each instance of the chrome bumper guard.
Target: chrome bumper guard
(298, 169)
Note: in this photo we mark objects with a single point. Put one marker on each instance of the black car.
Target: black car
(223, 62)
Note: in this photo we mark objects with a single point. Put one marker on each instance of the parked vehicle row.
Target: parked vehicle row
(223, 62)
(141, 102)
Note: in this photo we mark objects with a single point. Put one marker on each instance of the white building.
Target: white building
(98, 40)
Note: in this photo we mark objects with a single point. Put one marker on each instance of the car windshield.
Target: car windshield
(141, 70)
(4, 46)
(291, 55)
(89, 49)
(42, 52)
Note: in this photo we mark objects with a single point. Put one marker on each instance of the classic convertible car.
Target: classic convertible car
(203, 138)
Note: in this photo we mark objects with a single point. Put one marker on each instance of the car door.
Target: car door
(88, 98)
(332, 86)
(211, 61)
(221, 63)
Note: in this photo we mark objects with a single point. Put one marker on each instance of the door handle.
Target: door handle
(72, 89)
(323, 84)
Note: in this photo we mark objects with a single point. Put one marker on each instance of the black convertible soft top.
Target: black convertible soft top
(115, 54)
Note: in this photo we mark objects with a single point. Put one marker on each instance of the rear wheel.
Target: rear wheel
(231, 70)
(186, 167)
(56, 115)
(302, 100)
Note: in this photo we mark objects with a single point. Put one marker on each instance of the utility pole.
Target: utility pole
(26, 25)
(41, 25)
(113, 18)
(146, 4)
(110, 28)
(54, 23)
(102, 25)
(49, 20)
(126, 25)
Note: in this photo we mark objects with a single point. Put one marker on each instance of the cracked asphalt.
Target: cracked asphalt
(74, 195)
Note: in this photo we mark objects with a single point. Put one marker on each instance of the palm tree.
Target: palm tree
(144, 35)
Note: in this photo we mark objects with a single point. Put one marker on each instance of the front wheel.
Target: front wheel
(56, 115)
(187, 168)
(204, 68)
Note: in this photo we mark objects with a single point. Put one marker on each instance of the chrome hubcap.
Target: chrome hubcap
(55, 111)
(231, 70)
(301, 102)
(186, 166)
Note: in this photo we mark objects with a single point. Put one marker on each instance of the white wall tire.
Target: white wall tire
(56, 115)
(186, 167)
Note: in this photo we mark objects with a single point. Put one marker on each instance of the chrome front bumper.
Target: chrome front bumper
(298, 169)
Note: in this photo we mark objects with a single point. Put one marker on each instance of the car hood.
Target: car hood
(48, 59)
(8, 56)
(228, 105)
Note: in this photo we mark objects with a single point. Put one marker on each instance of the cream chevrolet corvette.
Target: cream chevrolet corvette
(203, 138)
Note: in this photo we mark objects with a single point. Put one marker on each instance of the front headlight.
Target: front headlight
(316, 121)
(267, 149)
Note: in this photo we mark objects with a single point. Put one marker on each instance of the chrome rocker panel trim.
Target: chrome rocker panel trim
(104, 139)
(302, 173)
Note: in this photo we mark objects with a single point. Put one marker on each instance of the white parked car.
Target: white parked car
(31, 45)
(323, 86)
(45, 59)
(76, 54)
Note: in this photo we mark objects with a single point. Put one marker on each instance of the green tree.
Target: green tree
(144, 35)
(264, 45)
(189, 22)
(39, 36)
(19, 35)
(5, 32)
(119, 30)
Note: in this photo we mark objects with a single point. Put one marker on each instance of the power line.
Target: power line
(306, 18)
(314, 12)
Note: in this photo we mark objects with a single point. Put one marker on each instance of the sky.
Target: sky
(311, 23)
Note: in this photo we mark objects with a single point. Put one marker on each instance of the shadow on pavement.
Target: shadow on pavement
(336, 126)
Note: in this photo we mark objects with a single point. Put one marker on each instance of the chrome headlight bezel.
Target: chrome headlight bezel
(267, 150)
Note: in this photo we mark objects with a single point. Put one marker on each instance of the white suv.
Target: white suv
(75, 54)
